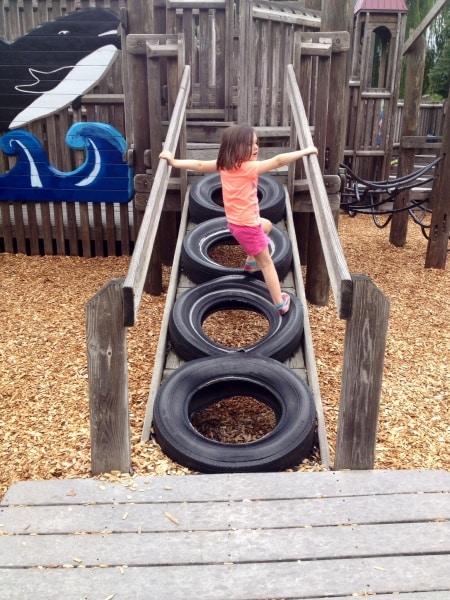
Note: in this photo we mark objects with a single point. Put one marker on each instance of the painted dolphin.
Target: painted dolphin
(52, 65)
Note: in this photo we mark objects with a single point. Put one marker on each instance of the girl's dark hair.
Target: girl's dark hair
(236, 147)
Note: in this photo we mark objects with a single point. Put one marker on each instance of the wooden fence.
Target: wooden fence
(430, 122)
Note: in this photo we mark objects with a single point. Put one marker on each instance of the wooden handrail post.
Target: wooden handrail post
(108, 381)
(437, 249)
(362, 373)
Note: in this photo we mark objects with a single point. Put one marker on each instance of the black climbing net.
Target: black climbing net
(377, 197)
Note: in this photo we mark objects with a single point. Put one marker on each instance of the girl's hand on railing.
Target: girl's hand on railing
(310, 150)
(166, 155)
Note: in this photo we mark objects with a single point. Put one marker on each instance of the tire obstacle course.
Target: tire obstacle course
(358, 301)
(213, 372)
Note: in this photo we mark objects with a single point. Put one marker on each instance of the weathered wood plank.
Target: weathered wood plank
(364, 349)
(235, 581)
(308, 348)
(6, 228)
(420, 141)
(229, 486)
(71, 228)
(33, 235)
(160, 354)
(225, 515)
(335, 260)
(135, 279)
(219, 547)
(19, 228)
(437, 249)
(143, 538)
(108, 381)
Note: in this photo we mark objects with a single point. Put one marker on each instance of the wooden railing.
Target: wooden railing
(112, 310)
(361, 303)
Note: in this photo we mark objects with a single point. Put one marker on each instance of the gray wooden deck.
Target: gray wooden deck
(232, 536)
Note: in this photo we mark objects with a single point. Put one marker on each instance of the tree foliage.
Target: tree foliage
(437, 64)
(439, 74)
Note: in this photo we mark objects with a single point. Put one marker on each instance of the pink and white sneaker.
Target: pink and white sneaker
(284, 306)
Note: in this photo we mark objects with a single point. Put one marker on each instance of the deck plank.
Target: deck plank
(211, 516)
(293, 580)
(219, 547)
(227, 486)
(255, 536)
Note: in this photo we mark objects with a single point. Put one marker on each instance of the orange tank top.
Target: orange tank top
(240, 194)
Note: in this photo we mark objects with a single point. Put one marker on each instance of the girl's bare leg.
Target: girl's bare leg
(265, 263)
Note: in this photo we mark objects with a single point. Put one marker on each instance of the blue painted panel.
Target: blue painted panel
(104, 176)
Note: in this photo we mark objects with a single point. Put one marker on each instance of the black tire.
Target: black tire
(205, 198)
(199, 242)
(206, 381)
(235, 292)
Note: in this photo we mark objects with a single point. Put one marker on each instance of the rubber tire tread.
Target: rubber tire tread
(200, 241)
(205, 191)
(234, 292)
(204, 382)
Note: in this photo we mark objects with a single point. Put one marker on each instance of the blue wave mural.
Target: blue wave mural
(104, 176)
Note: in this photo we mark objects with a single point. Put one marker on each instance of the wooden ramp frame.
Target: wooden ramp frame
(346, 535)
(357, 299)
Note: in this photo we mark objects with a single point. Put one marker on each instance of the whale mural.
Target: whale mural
(104, 176)
(41, 73)
(55, 63)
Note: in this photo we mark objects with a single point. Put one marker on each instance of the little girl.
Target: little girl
(239, 167)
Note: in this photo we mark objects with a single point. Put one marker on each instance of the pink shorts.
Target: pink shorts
(252, 239)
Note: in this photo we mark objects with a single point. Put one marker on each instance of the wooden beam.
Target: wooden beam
(413, 94)
(314, 49)
(156, 50)
(364, 349)
(420, 141)
(437, 250)
(134, 282)
(281, 16)
(340, 40)
(108, 381)
(338, 272)
(196, 4)
(423, 25)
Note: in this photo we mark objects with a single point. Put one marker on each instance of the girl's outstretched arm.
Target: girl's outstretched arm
(201, 166)
(286, 158)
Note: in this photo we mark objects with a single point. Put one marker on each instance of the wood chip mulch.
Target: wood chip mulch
(44, 421)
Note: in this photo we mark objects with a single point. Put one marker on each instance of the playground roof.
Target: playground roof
(381, 5)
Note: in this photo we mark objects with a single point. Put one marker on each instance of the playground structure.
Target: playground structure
(116, 306)
(228, 86)
(180, 92)
(235, 535)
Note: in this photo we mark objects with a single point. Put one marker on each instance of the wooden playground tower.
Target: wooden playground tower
(219, 40)
(379, 31)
